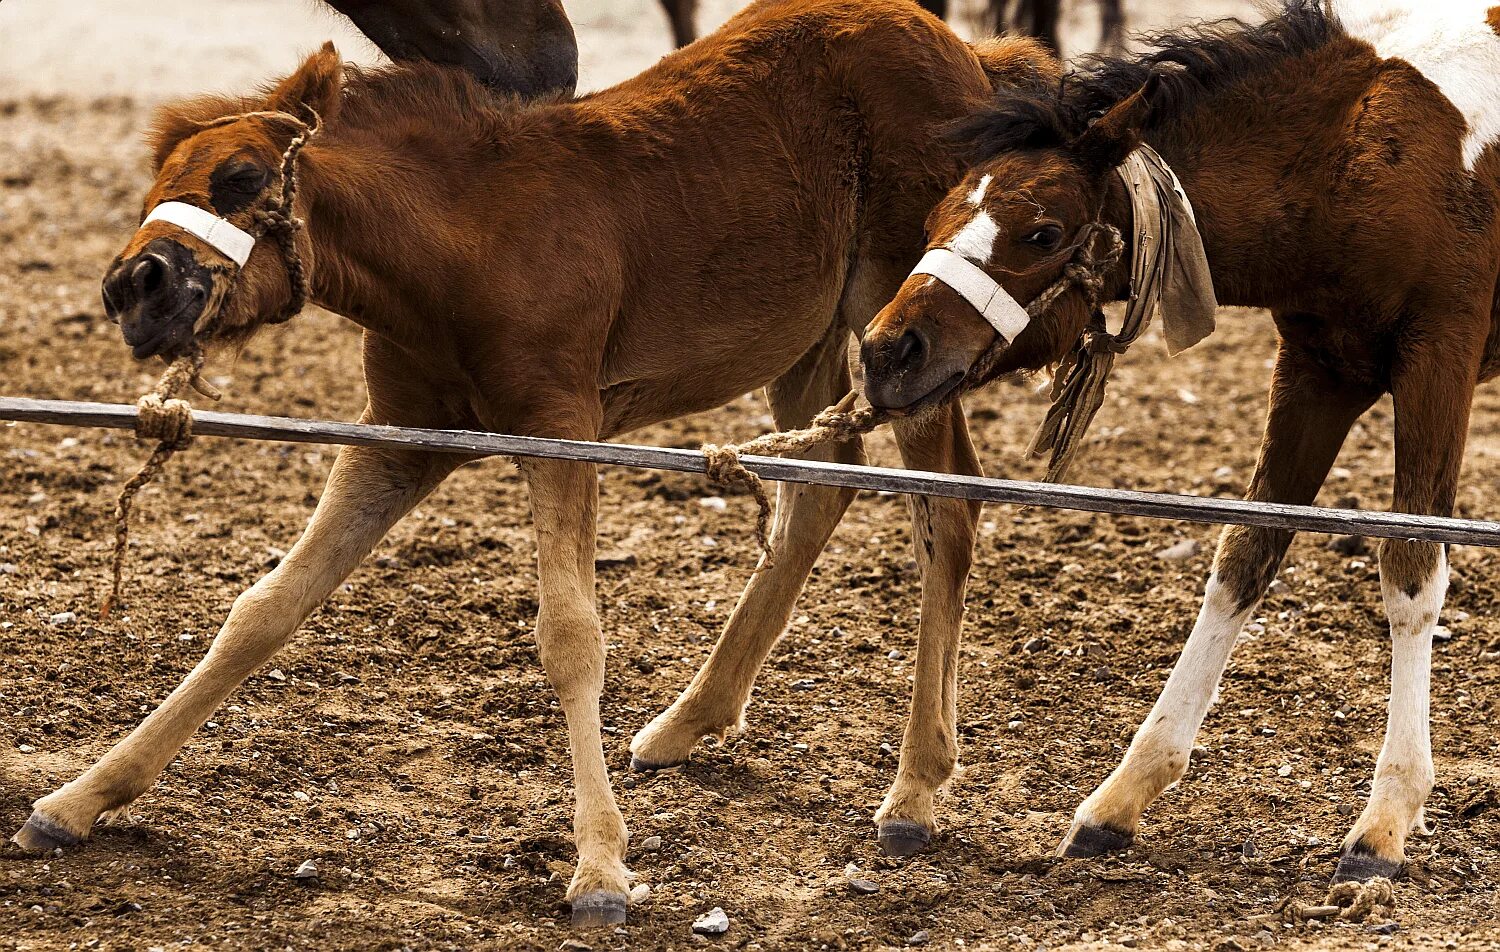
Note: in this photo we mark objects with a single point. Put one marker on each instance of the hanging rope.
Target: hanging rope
(1167, 258)
(168, 420)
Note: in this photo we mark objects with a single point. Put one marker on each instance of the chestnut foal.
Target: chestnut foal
(578, 269)
(1336, 183)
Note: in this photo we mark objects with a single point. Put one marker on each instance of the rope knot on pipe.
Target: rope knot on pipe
(160, 416)
(167, 420)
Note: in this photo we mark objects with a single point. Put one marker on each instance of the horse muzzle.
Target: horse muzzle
(157, 297)
(921, 346)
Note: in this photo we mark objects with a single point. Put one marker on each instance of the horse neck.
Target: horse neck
(1235, 176)
(368, 242)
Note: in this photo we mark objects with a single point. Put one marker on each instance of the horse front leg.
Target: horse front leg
(1432, 389)
(943, 533)
(714, 703)
(1310, 414)
(367, 492)
(564, 504)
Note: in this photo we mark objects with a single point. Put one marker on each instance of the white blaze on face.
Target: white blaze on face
(1448, 41)
(976, 240)
(976, 197)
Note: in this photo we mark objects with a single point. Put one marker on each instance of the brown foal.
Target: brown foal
(1336, 184)
(578, 269)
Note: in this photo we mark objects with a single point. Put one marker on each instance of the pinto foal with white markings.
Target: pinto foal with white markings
(1343, 175)
(576, 269)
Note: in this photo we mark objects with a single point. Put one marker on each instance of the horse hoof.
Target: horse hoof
(1358, 867)
(1088, 841)
(646, 766)
(903, 838)
(599, 909)
(42, 834)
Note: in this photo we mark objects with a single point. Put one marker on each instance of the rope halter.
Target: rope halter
(843, 422)
(160, 415)
(272, 217)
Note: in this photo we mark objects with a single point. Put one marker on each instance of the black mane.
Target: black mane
(1192, 63)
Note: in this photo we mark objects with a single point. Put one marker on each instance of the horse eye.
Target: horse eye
(1047, 237)
(234, 185)
(246, 180)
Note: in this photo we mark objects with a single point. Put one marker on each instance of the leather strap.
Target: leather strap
(983, 292)
(233, 242)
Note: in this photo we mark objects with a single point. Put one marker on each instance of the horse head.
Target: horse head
(219, 251)
(995, 294)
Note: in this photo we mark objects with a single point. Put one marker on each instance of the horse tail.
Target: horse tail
(1017, 62)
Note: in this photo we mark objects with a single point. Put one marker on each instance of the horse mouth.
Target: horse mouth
(934, 397)
(167, 337)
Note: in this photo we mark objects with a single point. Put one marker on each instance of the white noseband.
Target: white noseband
(233, 242)
(983, 292)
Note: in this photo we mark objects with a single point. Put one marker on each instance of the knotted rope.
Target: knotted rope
(1168, 256)
(168, 420)
(279, 222)
(1085, 270)
(1347, 902)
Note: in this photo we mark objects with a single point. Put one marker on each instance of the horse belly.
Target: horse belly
(692, 371)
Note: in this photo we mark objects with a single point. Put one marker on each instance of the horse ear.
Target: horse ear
(1117, 133)
(314, 91)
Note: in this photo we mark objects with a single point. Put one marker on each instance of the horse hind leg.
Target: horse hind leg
(564, 506)
(714, 703)
(1431, 390)
(1413, 578)
(943, 532)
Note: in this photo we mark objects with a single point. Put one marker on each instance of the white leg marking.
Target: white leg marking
(1404, 772)
(1450, 43)
(976, 240)
(1158, 755)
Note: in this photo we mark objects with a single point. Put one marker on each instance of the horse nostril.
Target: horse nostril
(910, 352)
(148, 275)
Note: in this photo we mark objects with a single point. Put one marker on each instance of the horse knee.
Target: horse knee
(1247, 561)
(1414, 577)
(571, 647)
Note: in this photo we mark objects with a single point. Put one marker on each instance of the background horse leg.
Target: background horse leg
(943, 534)
(564, 506)
(1112, 26)
(1311, 412)
(806, 516)
(367, 492)
(1432, 389)
(1040, 18)
(682, 14)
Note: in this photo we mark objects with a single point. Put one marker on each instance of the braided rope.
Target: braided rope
(168, 420)
(280, 222)
(1346, 902)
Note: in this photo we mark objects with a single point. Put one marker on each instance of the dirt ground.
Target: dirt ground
(407, 739)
